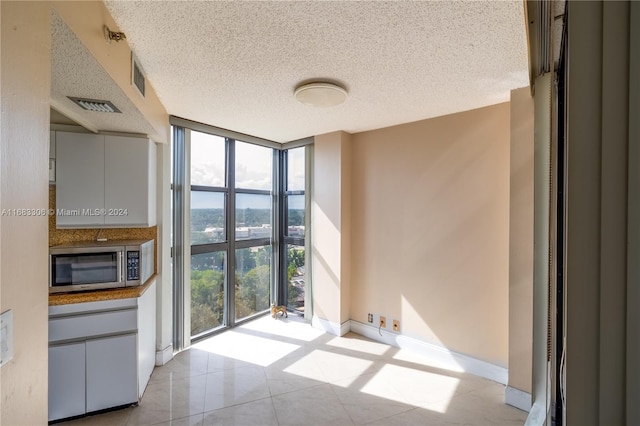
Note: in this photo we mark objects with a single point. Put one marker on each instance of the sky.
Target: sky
(254, 170)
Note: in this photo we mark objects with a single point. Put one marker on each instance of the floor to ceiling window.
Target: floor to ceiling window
(239, 224)
(208, 231)
(254, 197)
(294, 220)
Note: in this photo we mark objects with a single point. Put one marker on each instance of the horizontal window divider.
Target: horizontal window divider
(241, 244)
(226, 133)
(252, 317)
(209, 333)
(299, 192)
(298, 143)
(209, 248)
(293, 241)
(254, 191)
(209, 188)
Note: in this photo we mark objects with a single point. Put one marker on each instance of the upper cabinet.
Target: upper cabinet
(104, 181)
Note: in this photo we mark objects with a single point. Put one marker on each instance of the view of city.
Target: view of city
(253, 267)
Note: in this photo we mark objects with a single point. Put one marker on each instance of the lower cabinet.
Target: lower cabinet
(111, 372)
(66, 381)
(100, 354)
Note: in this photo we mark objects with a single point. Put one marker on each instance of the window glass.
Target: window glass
(207, 160)
(207, 291)
(207, 217)
(295, 216)
(253, 280)
(253, 216)
(295, 169)
(254, 166)
(295, 277)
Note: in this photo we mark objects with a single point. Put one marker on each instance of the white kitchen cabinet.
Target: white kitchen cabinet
(104, 181)
(79, 179)
(129, 178)
(111, 372)
(66, 381)
(101, 354)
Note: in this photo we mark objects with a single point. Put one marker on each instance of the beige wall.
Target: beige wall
(331, 227)
(24, 152)
(430, 230)
(521, 240)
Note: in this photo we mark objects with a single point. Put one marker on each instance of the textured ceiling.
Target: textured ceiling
(75, 72)
(235, 64)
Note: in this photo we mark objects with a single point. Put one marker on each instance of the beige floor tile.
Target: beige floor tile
(232, 387)
(344, 365)
(195, 420)
(112, 418)
(284, 372)
(170, 400)
(259, 412)
(369, 399)
(185, 364)
(314, 406)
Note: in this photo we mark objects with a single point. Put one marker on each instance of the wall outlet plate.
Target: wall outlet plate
(6, 337)
(370, 318)
(383, 322)
(396, 325)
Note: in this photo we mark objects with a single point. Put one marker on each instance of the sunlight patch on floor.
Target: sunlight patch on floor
(242, 347)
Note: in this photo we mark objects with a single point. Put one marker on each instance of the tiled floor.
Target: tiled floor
(284, 372)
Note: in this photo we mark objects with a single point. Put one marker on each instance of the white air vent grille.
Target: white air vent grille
(95, 105)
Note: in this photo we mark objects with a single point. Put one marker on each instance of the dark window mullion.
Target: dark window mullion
(230, 284)
(277, 230)
(208, 248)
(294, 241)
(208, 188)
(179, 339)
(253, 191)
(282, 257)
(243, 244)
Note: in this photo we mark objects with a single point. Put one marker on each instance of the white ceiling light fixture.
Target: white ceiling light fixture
(320, 94)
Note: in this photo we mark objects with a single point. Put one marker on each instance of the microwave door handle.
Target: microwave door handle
(120, 267)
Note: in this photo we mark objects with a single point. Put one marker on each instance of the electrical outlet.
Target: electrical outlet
(383, 322)
(370, 317)
(396, 325)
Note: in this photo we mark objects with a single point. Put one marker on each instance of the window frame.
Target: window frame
(181, 238)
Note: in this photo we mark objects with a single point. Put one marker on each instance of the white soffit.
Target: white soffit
(236, 64)
(75, 72)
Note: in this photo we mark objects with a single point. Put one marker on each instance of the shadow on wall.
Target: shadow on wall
(431, 228)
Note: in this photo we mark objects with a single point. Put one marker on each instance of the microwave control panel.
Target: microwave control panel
(133, 265)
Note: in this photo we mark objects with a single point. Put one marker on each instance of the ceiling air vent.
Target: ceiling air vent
(95, 105)
(137, 75)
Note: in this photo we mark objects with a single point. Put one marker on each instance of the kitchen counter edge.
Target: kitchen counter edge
(100, 295)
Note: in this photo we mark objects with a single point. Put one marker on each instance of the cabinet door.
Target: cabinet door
(66, 381)
(111, 372)
(146, 337)
(79, 179)
(129, 181)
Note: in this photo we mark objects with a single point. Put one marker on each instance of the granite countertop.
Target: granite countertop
(100, 295)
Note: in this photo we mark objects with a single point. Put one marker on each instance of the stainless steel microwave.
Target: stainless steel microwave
(100, 265)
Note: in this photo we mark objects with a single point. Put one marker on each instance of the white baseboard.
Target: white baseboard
(517, 398)
(331, 327)
(165, 355)
(442, 356)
